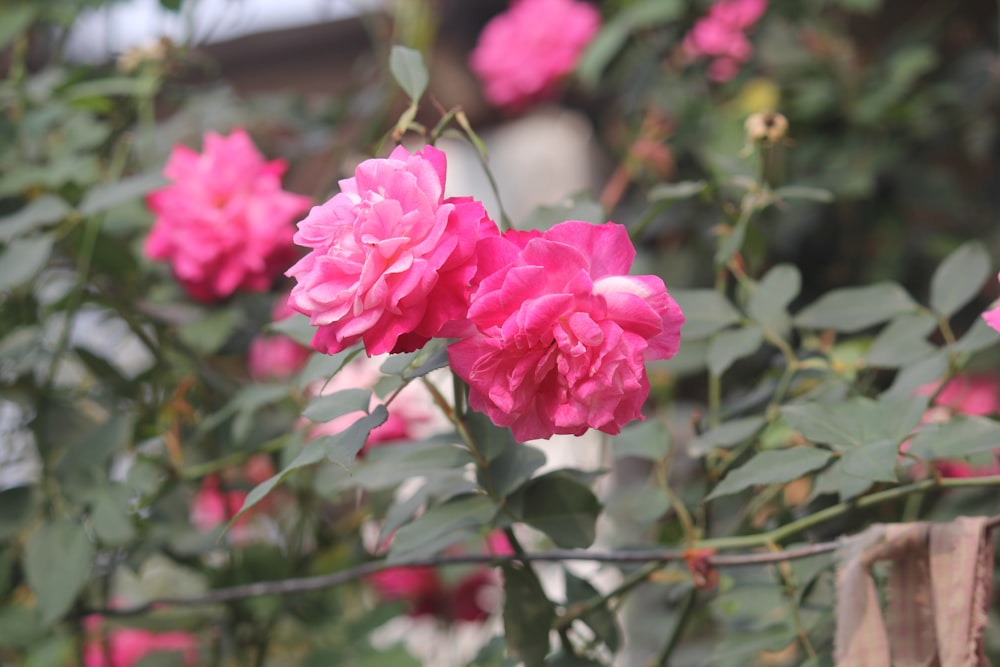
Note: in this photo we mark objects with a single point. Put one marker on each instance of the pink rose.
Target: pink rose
(992, 317)
(524, 53)
(968, 395)
(562, 332)
(213, 507)
(224, 223)
(276, 357)
(391, 259)
(719, 35)
(127, 646)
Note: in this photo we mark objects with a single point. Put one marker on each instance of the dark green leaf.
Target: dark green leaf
(22, 259)
(912, 377)
(959, 277)
(110, 515)
(729, 346)
(835, 480)
(768, 304)
(852, 309)
(728, 434)
(441, 526)
(979, 337)
(561, 507)
(328, 407)
(527, 615)
(791, 192)
(642, 505)
(95, 448)
(102, 197)
(208, 333)
(674, 191)
(343, 448)
(511, 469)
(856, 422)
(771, 467)
(57, 561)
(962, 436)
(601, 620)
(902, 342)
(875, 461)
(44, 210)
(648, 439)
(17, 507)
(706, 311)
(408, 69)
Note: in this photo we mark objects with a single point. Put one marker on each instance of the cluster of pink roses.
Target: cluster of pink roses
(553, 333)
(524, 53)
(126, 647)
(720, 35)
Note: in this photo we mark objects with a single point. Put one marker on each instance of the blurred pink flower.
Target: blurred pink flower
(992, 317)
(224, 223)
(427, 594)
(127, 646)
(276, 357)
(719, 35)
(214, 507)
(391, 259)
(562, 332)
(524, 53)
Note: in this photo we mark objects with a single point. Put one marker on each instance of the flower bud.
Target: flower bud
(767, 127)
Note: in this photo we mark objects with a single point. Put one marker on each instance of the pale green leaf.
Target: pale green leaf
(22, 259)
(959, 277)
(771, 467)
(327, 407)
(706, 311)
(441, 526)
(768, 304)
(727, 434)
(852, 309)
(856, 422)
(903, 341)
(44, 210)
(962, 436)
(409, 71)
(729, 346)
(648, 439)
(57, 561)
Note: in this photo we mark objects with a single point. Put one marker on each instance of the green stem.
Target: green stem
(683, 617)
(782, 533)
(595, 603)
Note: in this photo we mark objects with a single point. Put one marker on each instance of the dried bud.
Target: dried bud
(767, 127)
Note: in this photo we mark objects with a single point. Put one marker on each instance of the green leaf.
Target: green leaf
(507, 472)
(914, 376)
(209, 332)
(601, 620)
(409, 71)
(386, 467)
(768, 304)
(727, 434)
(17, 507)
(343, 448)
(962, 436)
(110, 516)
(902, 342)
(295, 326)
(876, 461)
(97, 447)
(57, 561)
(979, 337)
(771, 467)
(640, 505)
(959, 277)
(561, 507)
(648, 439)
(729, 346)
(22, 259)
(852, 309)
(312, 453)
(44, 210)
(790, 192)
(706, 311)
(102, 197)
(675, 191)
(836, 480)
(528, 615)
(17, 19)
(441, 526)
(328, 407)
(857, 422)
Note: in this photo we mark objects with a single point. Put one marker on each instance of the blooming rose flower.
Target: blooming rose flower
(127, 646)
(562, 332)
(992, 317)
(224, 223)
(719, 35)
(523, 53)
(391, 259)
(276, 357)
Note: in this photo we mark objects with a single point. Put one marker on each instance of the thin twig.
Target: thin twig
(649, 556)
